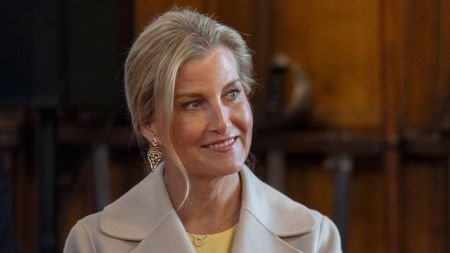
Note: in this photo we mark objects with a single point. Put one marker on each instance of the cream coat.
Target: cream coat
(144, 220)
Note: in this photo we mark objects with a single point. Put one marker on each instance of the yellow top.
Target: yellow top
(217, 243)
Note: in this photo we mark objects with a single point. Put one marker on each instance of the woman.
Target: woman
(187, 78)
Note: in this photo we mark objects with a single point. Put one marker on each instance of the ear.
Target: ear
(149, 131)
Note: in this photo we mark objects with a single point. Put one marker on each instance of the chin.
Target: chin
(224, 169)
(231, 169)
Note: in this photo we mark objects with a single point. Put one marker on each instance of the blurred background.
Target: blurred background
(352, 113)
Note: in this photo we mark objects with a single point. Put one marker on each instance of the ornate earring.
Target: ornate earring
(153, 155)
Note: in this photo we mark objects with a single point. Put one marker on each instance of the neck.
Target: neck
(213, 204)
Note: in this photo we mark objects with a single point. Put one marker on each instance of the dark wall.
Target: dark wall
(63, 53)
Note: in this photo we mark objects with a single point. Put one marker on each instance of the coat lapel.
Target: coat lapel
(251, 236)
(145, 214)
(169, 236)
(266, 217)
(139, 211)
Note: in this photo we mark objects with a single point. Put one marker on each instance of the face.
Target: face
(213, 122)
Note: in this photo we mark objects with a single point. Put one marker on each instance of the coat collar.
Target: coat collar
(273, 210)
(139, 211)
(266, 215)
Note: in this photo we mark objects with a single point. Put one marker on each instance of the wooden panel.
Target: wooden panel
(393, 77)
(367, 230)
(312, 186)
(423, 202)
(337, 44)
(427, 85)
(238, 18)
(444, 63)
(424, 208)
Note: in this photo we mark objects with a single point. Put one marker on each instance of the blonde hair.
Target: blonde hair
(155, 58)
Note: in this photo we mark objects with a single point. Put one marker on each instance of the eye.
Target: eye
(233, 94)
(191, 105)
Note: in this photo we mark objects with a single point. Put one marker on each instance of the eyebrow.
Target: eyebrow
(195, 94)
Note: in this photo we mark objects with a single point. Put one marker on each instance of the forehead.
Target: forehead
(217, 66)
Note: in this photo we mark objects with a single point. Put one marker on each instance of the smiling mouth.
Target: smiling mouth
(223, 145)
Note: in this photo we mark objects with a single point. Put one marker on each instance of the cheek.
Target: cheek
(245, 116)
(248, 116)
(187, 131)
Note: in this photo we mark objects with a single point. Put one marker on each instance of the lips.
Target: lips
(222, 144)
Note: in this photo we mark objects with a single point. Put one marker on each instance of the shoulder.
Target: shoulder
(81, 237)
(327, 233)
(323, 238)
(87, 236)
(124, 222)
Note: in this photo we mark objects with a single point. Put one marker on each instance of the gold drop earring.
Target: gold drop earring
(153, 154)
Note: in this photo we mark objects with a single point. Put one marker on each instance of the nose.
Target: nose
(220, 120)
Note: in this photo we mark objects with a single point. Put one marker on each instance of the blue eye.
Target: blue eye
(234, 94)
(191, 105)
